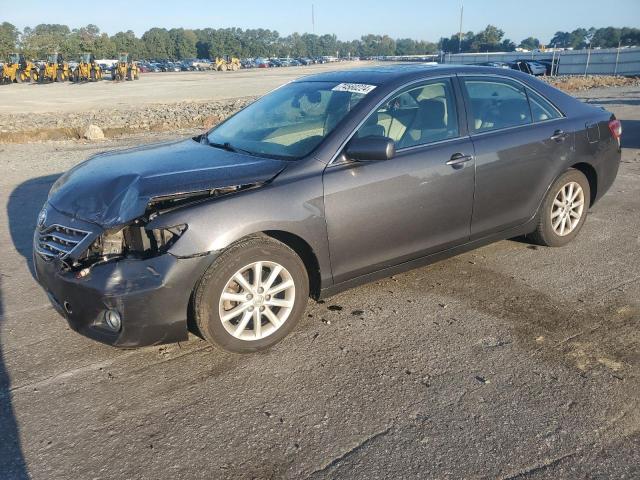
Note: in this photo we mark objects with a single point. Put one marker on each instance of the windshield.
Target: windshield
(123, 58)
(14, 58)
(52, 58)
(85, 58)
(291, 121)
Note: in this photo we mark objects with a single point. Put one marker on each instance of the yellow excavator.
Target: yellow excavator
(18, 69)
(87, 70)
(55, 70)
(125, 69)
(222, 64)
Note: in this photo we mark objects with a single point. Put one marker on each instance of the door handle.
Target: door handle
(457, 159)
(558, 136)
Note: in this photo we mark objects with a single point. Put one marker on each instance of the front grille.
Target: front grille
(57, 241)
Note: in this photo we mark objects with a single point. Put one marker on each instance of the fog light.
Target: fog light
(112, 319)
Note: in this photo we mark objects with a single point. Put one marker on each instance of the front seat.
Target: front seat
(429, 124)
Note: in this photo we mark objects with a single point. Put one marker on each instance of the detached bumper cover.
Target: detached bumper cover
(152, 297)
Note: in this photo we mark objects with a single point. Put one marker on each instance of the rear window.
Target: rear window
(496, 104)
(541, 108)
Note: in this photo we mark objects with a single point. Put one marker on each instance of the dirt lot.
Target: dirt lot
(511, 361)
(152, 88)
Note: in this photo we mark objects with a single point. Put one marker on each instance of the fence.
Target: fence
(609, 61)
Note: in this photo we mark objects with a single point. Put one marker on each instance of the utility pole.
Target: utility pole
(460, 31)
(615, 70)
(313, 19)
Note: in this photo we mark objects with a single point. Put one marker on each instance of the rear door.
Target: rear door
(520, 144)
(382, 213)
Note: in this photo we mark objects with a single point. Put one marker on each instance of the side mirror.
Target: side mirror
(371, 148)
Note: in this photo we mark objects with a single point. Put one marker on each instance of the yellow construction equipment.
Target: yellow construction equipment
(55, 70)
(222, 64)
(125, 69)
(87, 70)
(19, 70)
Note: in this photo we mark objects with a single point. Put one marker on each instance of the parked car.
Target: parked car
(529, 66)
(549, 65)
(327, 182)
(495, 64)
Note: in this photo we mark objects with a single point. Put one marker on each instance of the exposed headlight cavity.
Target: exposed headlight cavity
(133, 241)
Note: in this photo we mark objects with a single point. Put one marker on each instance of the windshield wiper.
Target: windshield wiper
(226, 146)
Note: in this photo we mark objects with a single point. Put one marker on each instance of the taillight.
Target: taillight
(616, 128)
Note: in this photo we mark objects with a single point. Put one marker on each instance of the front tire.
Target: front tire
(252, 296)
(564, 210)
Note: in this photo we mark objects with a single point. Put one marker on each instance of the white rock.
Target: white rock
(93, 132)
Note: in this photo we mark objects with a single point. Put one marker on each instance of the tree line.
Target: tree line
(491, 39)
(180, 43)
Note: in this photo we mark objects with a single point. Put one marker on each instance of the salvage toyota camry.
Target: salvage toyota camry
(327, 182)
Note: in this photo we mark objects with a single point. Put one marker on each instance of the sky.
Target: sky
(348, 19)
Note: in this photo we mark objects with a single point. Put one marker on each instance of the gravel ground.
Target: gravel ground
(510, 361)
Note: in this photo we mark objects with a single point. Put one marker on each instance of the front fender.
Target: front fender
(295, 207)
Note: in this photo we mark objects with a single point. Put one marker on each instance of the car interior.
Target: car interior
(496, 104)
(422, 115)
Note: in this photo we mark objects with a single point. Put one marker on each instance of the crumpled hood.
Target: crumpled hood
(115, 187)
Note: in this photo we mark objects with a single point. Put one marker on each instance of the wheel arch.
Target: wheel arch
(592, 177)
(304, 250)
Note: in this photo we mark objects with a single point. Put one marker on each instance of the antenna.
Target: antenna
(460, 34)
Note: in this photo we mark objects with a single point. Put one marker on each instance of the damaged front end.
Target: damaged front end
(121, 285)
(107, 267)
(134, 240)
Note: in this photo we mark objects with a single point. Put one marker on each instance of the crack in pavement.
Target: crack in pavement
(362, 444)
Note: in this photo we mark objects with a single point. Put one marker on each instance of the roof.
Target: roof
(382, 74)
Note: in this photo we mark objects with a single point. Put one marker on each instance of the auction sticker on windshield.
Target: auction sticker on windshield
(353, 88)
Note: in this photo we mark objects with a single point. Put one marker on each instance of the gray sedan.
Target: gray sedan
(325, 183)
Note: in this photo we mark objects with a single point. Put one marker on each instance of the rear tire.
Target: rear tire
(277, 312)
(563, 211)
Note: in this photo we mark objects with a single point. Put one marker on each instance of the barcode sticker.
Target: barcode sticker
(362, 88)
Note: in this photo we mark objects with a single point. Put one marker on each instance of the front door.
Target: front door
(382, 213)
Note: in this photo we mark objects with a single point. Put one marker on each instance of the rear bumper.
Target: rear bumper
(152, 297)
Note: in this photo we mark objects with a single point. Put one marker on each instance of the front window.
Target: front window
(418, 116)
(290, 122)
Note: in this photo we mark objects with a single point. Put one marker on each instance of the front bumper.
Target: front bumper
(151, 295)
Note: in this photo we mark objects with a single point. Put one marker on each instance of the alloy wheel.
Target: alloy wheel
(257, 300)
(567, 209)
